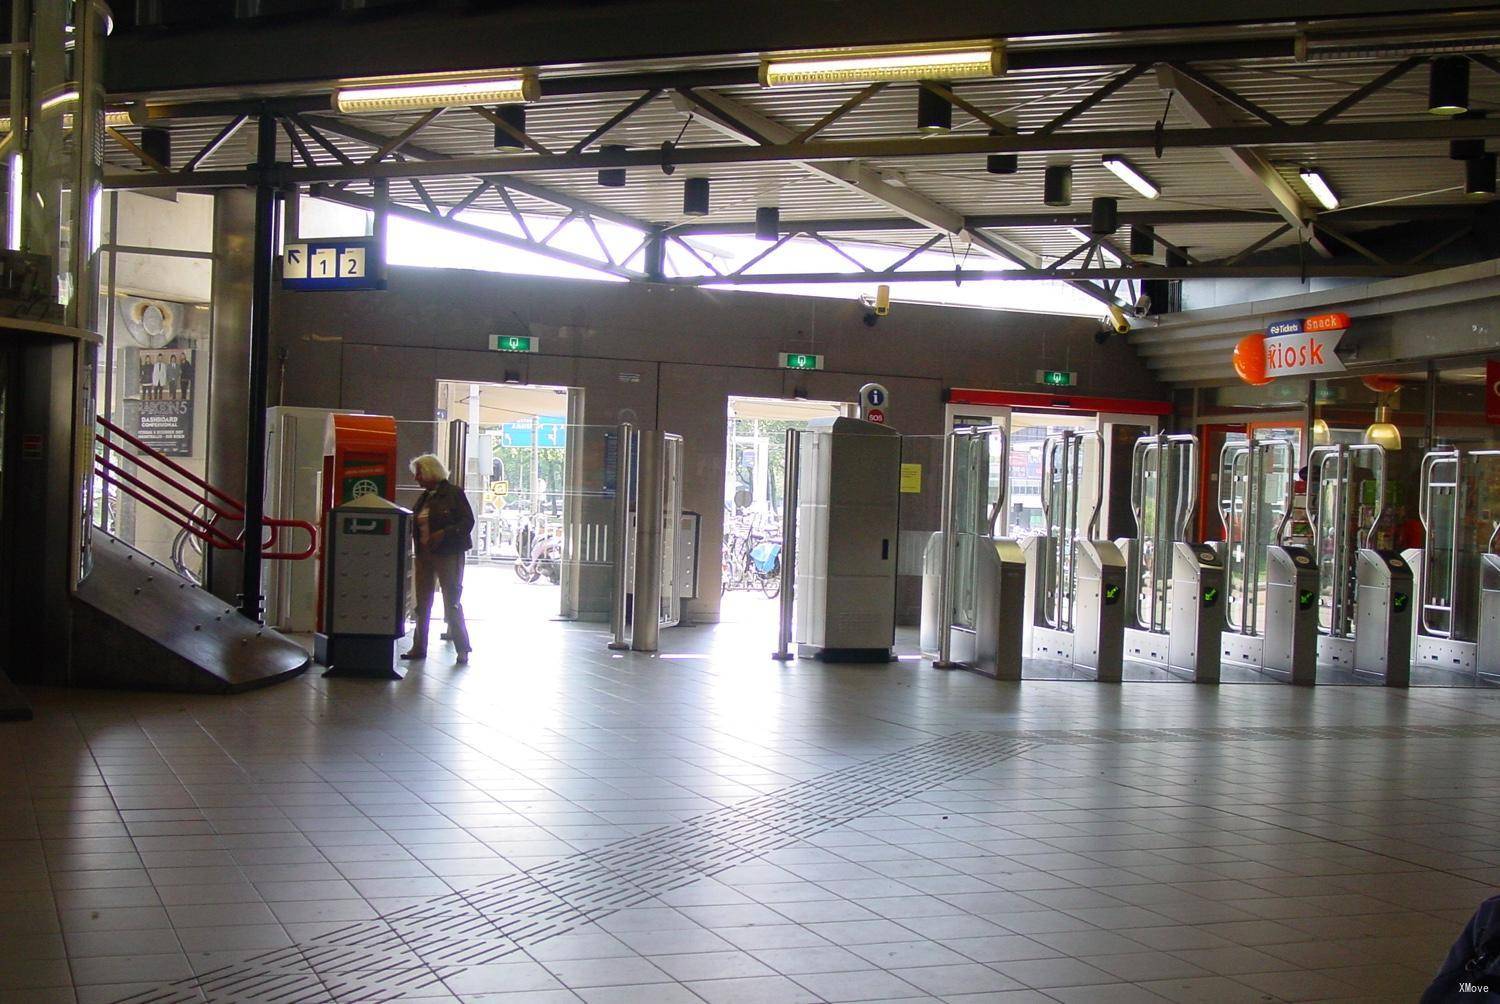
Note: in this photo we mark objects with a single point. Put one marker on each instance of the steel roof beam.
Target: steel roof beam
(738, 120)
(492, 236)
(535, 191)
(1204, 110)
(1105, 272)
(1392, 213)
(1065, 141)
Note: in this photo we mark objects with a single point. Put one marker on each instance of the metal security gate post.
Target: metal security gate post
(945, 580)
(645, 624)
(458, 452)
(790, 482)
(623, 539)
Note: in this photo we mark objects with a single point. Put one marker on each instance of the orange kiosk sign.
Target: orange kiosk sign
(359, 458)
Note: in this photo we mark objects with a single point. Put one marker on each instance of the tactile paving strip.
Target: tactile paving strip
(1262, 734)
(409, 952)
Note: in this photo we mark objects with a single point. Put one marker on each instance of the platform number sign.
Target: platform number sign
(344, 264)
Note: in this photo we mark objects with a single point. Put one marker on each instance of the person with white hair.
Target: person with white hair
(444, 524)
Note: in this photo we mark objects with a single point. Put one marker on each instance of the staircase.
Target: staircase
(138, 625)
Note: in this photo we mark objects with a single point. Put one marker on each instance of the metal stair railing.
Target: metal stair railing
(197, 506)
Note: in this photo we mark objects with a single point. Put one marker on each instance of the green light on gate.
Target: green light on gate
(801, 361)
(513, 343)
(1056, 378)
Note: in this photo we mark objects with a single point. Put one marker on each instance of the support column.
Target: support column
(656, 256)
(260, 364)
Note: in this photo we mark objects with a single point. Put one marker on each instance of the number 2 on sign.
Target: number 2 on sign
(352, 263)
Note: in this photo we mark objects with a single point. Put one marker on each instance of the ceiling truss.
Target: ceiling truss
(336, 157)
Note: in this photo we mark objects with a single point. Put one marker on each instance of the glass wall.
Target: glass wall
(156, 312)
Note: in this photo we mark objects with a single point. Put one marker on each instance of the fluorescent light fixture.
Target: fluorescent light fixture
(1127, 172)
(1318, 185)
(850, 66)
(15, 196)
(57, 100)
(438, 90)
(114, 118)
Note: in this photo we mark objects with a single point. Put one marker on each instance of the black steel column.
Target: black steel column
(656, 256)
(260, 363)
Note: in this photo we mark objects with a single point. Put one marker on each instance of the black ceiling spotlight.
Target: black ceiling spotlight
(934, 113)
(1142, 240)
(1467, 149)
(1448, 86)
(1057, 185)
(515, 117)
(157, 144)
(612, 177)
(767, 223)
(1479, 177)
(1002, 163)
(695, 197)
(1104, 216)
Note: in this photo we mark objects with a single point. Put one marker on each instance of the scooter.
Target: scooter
(542, 557)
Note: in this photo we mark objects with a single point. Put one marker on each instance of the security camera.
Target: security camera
(1118, 320)
(878, 305)
(871, 320)
(1102, 333)
(1143, 305)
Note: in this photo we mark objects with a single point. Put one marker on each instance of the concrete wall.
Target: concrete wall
(668, 358)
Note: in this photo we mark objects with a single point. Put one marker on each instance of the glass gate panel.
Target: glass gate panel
(1439, 512)
(1070, 507)
(673, 588)
(978, 503)
(1163, 494)
(1255, 498)
(1344, 476)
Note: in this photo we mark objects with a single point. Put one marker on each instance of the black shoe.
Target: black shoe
(415, 654)
(463, 659)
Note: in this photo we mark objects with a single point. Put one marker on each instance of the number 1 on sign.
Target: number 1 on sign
(323, 264)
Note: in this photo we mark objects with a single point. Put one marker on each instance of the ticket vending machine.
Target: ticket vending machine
(359, 458)
(365, 556)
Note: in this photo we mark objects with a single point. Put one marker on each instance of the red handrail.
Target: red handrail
(151, 462)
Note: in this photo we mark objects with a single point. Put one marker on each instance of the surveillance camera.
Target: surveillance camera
(871, 320)
(1143, 305)
(882, 300)
(1118, 320)
(1102, 334)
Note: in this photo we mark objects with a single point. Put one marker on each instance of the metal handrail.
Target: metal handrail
(150, 460)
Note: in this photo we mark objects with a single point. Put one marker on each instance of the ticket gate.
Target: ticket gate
(973, 590)
(1457, 641)
(1075, 583)
(1174, 595)
(1361, 588)
(1271, 586)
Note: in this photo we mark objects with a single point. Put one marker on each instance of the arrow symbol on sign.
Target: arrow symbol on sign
(294, 255)
(362, 525)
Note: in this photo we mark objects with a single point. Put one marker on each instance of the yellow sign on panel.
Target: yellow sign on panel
(911, 479)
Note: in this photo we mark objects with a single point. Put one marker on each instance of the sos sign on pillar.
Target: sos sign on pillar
(873, 399)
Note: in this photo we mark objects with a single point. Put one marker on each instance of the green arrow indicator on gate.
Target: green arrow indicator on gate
(1209, 595)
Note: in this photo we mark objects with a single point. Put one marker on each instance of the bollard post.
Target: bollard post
(645, 622)
(623, 473)
(945, 531)
(791, 476)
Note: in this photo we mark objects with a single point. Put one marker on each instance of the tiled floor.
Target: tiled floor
(559, 823)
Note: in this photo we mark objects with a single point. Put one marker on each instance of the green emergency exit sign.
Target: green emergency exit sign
(1056, 378)
(513, 343)
(801, 361)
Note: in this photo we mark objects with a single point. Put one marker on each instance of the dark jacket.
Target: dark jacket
(448, 510)
(1471, 973)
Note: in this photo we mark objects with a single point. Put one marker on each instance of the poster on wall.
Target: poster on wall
(168, 387)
